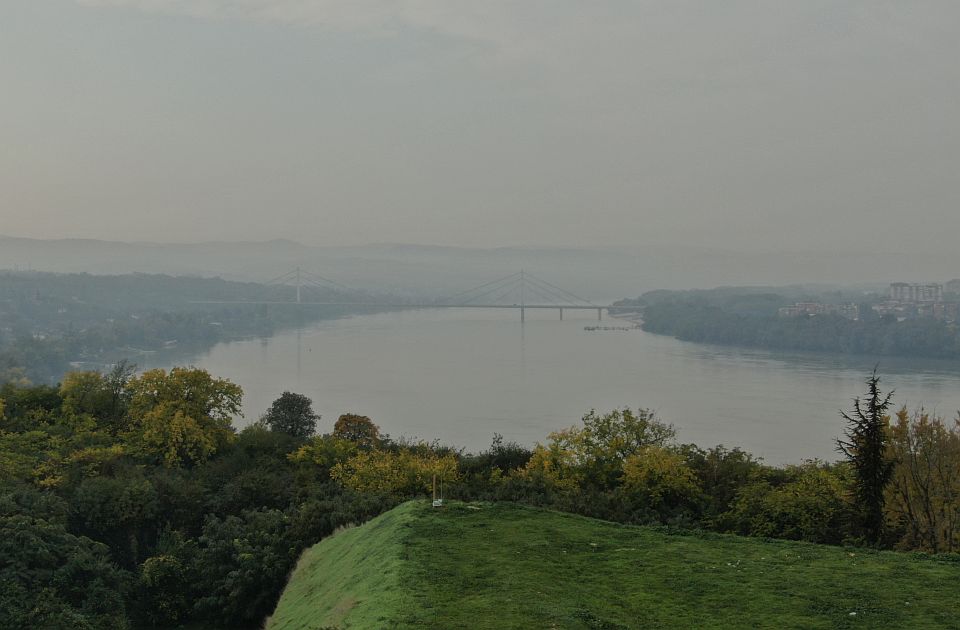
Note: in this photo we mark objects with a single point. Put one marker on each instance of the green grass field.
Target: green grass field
(507, 566)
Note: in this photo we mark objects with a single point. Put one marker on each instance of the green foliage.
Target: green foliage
(27, 406)
(292, 414)
(867, 449)
(117, 511)
(317, 518)
(50, 578)
(165, 602)
(241, 565)
(137, 462)
(811, 505)
(101, 396)
(18, 499)
(146, 473)
(22, 453)
(721, 473)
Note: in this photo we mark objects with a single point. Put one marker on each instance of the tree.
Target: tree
(183, 417)
(324, 452)
(103, 396)
(242, 565)
(120, 512)
(192, 391)
(593, 455)
(292, 414)
(50, 578)
(405, 472)
(358, 429)
(660, 478)
(866, 447)
(923, 498)
(810, 505)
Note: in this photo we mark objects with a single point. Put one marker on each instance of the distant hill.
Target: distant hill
(506, 566)
(434, 271)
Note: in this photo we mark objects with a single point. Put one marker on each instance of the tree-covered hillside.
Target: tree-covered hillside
(130, 500)
(744, 317)
(48, 321)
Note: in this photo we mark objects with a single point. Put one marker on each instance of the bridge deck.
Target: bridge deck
(581, 307)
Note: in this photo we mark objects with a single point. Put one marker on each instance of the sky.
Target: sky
(808, 125)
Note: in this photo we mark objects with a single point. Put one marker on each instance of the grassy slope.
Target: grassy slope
(505, 566)
(355, 572)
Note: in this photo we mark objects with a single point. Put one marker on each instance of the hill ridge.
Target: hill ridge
(508, 566)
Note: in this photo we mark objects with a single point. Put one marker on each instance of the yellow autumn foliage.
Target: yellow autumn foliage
(182, 417)
(325, 451)
(659, 474)
(395, 472)
(84, 462)
(594, 453)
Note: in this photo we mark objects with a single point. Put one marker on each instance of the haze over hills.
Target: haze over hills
(432, 270)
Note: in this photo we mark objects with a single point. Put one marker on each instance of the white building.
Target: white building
(907, 292)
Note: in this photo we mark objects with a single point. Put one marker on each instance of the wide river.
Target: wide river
(462, 375)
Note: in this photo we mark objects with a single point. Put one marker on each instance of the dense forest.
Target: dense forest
(49, 322)
(131, 501)
(749, 318)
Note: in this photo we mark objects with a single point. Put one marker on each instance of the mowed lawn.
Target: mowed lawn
(508, 566)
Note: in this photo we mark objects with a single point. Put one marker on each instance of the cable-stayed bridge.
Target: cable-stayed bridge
(521, 291)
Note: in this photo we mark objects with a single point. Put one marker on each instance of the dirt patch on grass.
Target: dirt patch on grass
(343, 607)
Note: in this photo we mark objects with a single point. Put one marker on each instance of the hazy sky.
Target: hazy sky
(737, 124)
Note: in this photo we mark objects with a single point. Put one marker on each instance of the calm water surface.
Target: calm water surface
(462, 375)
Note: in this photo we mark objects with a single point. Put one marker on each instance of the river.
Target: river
(460, 376)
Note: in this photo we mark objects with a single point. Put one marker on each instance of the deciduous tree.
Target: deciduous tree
(292, 414)
(181, 417)
(923, 497)
(358, 429)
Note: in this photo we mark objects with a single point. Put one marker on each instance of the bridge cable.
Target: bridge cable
(552, 296)
(313, 284)
(287, 276)
(449, 299)
(562, 290)
(487, 292)
(551, 300)
(310, 274)
(513, 287)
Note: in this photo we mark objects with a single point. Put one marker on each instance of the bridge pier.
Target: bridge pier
(599, 314)
(561, 313)
(523, 314)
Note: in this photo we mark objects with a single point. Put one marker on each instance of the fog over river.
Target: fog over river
(462, 375)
